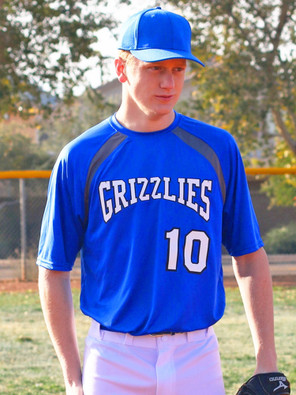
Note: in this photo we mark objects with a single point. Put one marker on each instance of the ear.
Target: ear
(120, 70)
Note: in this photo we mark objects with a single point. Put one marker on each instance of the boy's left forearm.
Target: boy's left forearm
(254, 280)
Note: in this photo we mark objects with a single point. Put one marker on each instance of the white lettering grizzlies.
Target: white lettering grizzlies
(118, 194)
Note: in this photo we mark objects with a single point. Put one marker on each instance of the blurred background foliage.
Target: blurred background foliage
(248, 86)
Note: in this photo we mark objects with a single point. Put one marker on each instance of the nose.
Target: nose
(167, 80)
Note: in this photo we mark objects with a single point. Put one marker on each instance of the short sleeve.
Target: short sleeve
(240, 231)
(62, 225)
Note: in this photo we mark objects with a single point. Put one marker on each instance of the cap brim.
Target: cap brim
(157, 55)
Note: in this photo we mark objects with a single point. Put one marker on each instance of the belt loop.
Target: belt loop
(100, 332)
(128, 339)
(189, 336)
(197, 335)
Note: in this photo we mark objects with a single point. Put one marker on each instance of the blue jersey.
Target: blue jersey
(149, 212)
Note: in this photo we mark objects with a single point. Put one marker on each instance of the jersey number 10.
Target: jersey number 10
(194, 236)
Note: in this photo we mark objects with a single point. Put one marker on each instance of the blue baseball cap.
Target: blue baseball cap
(154, 34)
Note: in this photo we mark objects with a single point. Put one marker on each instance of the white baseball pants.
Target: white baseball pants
(180, 364)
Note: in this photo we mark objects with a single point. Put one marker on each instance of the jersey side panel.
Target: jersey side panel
(62, 229)
(241, 233)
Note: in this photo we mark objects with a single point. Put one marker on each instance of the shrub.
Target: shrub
(281, 240)
(9, 229)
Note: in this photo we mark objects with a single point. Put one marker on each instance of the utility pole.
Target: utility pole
(23, 227)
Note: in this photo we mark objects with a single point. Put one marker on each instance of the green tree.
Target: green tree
(43, 43)
(249, 47)
(69, 120)
(281, 189)
(17, 152)
(249, 84)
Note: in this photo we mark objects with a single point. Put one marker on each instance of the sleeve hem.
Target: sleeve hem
(52, 266)
(248, 250)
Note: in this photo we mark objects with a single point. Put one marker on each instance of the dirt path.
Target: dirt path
(26, 286)
(32, 286)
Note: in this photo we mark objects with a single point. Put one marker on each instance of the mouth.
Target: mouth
(165, 97)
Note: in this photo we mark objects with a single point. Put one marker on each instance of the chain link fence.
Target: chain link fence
(22, 202)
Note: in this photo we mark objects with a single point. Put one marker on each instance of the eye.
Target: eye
(155, 68)
(179, 69)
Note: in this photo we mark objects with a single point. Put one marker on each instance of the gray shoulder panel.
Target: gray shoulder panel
(205, 150)
(107, 148)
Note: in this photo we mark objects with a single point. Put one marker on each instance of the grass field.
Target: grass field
(28, 364)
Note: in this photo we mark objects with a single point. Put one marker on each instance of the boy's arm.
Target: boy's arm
(254, 280)
(57, 305)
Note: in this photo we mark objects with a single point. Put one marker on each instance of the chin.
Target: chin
(161, 115)
(166, 110)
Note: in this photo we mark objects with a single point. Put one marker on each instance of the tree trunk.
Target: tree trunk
(283, 130)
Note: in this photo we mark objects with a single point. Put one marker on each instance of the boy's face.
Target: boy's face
(153, 89)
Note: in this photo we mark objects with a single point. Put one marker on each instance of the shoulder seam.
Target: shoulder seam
(205, 150)
(105, 150)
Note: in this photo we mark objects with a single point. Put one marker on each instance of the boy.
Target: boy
(148, 196)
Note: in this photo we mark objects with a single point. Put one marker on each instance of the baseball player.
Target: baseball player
(148, 197)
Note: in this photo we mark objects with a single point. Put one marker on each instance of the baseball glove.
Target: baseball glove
(266, 384)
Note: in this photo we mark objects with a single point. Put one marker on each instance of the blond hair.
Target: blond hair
(126, 56)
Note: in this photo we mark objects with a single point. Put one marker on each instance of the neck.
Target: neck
(144, 122)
